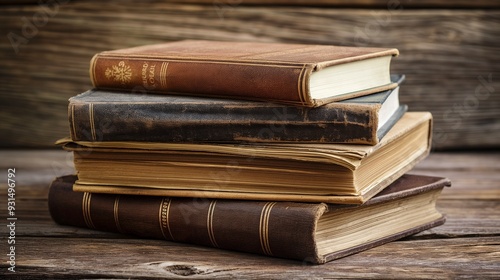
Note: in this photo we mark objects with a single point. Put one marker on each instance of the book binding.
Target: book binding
(110, 116)
(279, 229)
(254, 71)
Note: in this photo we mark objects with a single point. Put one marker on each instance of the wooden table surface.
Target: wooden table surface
(467, 246)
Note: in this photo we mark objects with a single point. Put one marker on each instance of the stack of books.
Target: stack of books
(287, 150)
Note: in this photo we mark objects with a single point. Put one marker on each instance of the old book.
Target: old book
(98, 115)
(333, 173)
(304, 75)
(312, 232)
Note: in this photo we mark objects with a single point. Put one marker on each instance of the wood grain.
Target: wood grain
(457, 4)
(355, 3)
(451, 57)
(151, 259)
(466, 246)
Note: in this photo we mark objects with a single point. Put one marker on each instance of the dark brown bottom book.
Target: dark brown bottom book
(311, 232)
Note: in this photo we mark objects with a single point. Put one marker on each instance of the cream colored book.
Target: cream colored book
(331, 173)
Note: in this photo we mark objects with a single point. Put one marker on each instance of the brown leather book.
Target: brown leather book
(331, 173)
(304, 75)
(310, 232)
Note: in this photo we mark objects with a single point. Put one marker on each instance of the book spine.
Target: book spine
(280, 229)
(283, 83)
(198, 122)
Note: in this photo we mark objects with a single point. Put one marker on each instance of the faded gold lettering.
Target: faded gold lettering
(148, 76)
(152, 75)
(144, 74)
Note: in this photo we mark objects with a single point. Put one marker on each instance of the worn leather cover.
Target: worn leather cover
(258, 71)
(280, 229)
(98, 115)
(236, 158)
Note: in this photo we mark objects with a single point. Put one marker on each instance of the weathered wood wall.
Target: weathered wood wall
(451, 56)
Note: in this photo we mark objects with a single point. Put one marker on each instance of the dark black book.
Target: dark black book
(99, 115)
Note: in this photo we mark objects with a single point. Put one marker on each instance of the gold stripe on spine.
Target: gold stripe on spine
(210, 226)
(264, 228)
(84, 208)
(92, 70)
(163, 217)
(163, 75)
(300, 85)
(91, 119)
(87, 197)
(73, 122)
(115, 214)
(305, 81)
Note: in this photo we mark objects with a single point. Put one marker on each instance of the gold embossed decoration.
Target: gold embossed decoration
(120, 73)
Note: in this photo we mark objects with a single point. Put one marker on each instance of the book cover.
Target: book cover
(98, 115)
(312, 232)
(295, 74)
(333, 173)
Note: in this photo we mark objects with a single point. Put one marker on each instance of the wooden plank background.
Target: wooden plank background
(450, 56)
(456, 4)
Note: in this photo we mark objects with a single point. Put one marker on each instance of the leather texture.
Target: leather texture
(98, 115)
(279, 229)
(326, 161)
(256, 71)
